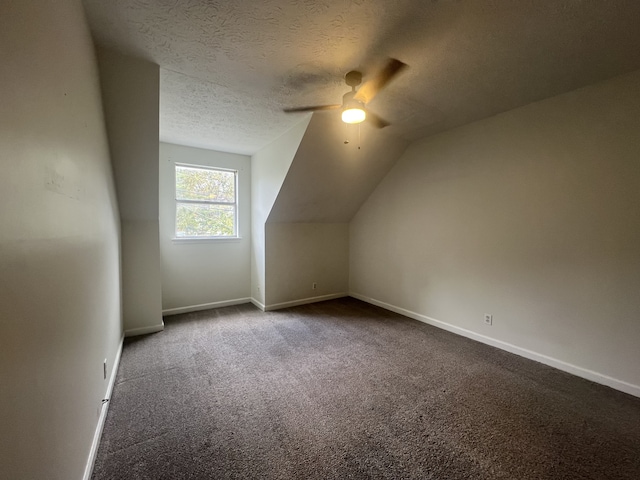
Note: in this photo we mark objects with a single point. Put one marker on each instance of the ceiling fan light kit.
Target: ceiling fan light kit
(353, 112)
(353, 115)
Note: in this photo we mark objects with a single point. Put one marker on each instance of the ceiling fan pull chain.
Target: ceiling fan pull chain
(346, 133)
(359, 137)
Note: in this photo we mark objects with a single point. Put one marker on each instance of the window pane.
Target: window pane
(201, 220)
(204, 184)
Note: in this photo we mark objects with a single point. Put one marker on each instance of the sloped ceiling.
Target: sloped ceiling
(335, 169)
(229, 67)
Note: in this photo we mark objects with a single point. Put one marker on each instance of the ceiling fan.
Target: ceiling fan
(354, 102)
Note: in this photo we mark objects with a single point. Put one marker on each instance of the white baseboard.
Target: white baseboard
(258, 304)
(88, 470)
(144, 330)
(303, 301)
(205, 306)
(523, 352)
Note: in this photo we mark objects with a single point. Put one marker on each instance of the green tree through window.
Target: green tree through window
(206, 202)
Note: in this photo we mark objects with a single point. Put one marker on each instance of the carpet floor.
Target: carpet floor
(342, 389)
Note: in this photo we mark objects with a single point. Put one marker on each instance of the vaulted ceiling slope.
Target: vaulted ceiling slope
(228, 68)
(335, 169)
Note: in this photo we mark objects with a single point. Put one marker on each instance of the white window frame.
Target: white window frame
(205, 202)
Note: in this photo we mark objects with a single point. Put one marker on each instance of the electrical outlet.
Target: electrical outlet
(488, 319)
(104, 369)
(314, 285)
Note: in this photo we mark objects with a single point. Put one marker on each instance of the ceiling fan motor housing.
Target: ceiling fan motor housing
(349, 102)
(348, 98)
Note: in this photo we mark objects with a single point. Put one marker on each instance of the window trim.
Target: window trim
(202, 238)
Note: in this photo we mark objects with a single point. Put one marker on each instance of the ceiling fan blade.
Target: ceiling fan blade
(312, 108)
(371, 87)
(376, 120)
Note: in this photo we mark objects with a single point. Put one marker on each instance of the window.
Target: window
(206, 202)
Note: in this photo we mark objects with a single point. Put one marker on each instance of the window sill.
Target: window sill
(205, 239)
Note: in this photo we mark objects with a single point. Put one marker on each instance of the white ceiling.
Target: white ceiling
(229, 67)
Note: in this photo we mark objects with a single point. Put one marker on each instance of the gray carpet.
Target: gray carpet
(342, 389)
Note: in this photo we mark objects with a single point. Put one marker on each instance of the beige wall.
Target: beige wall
(59, 255)
(532, 216)
(301, 254)
(130, 91)
(203, 273)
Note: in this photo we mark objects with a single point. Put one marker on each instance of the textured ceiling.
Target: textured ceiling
(229, 67)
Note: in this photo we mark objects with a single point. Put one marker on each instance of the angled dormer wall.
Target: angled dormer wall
(306, 238)
(269, 167)
(130, 94)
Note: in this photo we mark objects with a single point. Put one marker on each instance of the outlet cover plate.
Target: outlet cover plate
(488, 319)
